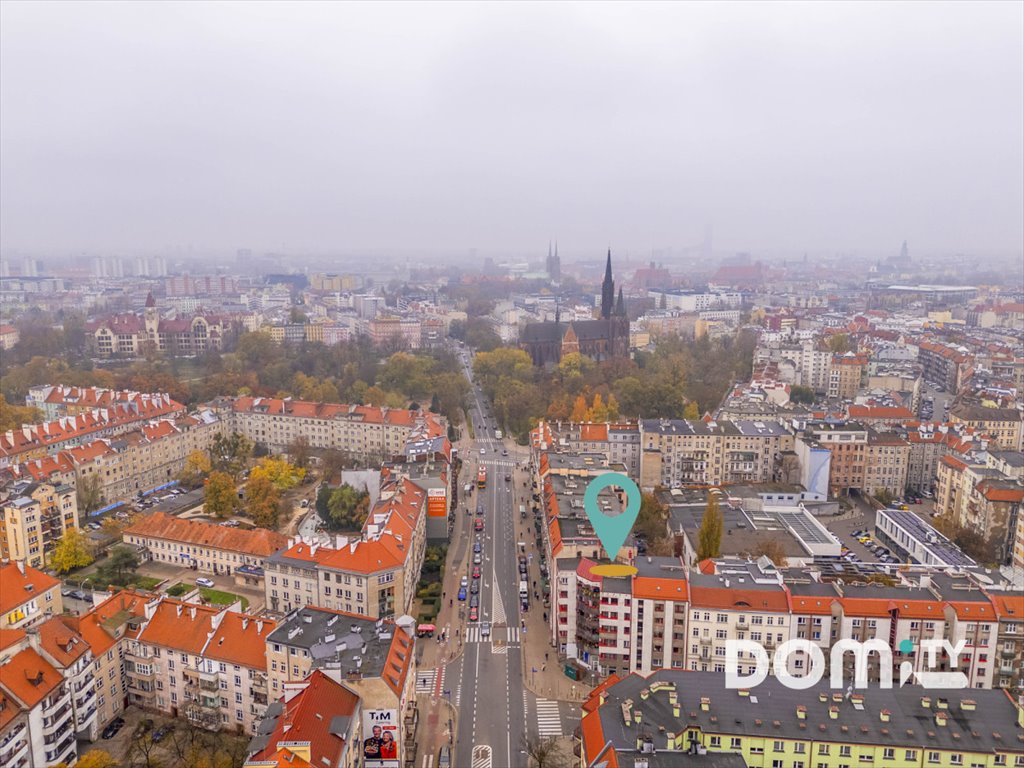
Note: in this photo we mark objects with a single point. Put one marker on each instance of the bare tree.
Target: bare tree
(545, 753)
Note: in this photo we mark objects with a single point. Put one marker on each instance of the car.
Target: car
(202, 581)
(161, 732)
(474, 588)
(476, 572)
(79, 594)
(525, 605)
(66, 592)
(508, 478)
(462, 593)
(479, 525)
(477, 559)
(112, 728)
(485, 629)
(479, 510)
(477, 546)
(465, 582)
(474, 614)
(474, 601)
(483, 451)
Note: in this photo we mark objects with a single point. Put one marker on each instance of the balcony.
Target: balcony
(1008, 654)
(742, 625)
(85, 719)
(58, 720)
(706, 641)
(14, 751)
(84, 700)
(50, 709)
(63, 749)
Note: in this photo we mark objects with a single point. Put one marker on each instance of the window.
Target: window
(778, 746)
(735, 743)
(716, 741)
(888, 753)
(823, 749)
(933, 757)
(238, 698)
(844, 750)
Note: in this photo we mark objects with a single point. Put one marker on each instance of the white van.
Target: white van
(524, 590)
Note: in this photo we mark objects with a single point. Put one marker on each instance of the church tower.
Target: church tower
(607, 290)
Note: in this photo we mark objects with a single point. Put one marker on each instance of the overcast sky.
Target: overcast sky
(338, 127)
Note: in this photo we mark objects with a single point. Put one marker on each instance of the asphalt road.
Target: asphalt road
(493, 702)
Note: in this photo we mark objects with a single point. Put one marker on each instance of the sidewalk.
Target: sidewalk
(549, 681)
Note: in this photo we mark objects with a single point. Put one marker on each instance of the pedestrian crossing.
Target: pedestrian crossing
(507, 463)
(549, 718)
(504, 635)
(482, 757)
(427, 680)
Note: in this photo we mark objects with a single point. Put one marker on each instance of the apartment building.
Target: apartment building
(678, 452)
(847, 375)
(34, 518)
(886, 463)
(1003, 425)
(637, 716)
(929, 442)
(1009, 608)
(37, 724)
(296, 733)
(27, 596)
(207, 547)
(373, 575)
(37, 440)
(880, 417)
(367, 432)
(373, 657)
(138, 461)
(202, 663)
(130, 334)
(619, 443)
(847, 444)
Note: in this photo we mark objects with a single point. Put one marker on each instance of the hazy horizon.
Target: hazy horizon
(353, 128)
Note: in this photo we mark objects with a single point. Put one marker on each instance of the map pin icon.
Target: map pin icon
(612, 529)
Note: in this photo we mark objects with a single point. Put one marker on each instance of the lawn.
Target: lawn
(217, 597)
(147, 582)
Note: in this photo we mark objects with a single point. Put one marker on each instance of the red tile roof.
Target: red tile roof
(773, 600)
(655, 588)
(17, 588)
(29, 677)
(307, 718)
(60, 642)
(259, 542)
(1008, 605)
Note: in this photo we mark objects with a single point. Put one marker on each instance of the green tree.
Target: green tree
(72, 551)
(197, 467)
(119, 566)
(220, 498)
(230, 453)
(692, 411)
(801, 394)
(263, 502)
(709, 537)
(839, 343)
(347, 508)
(652, 520)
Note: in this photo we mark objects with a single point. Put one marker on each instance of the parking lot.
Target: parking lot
(849, 530)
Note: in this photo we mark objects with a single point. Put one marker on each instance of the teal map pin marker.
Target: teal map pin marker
(612, 530)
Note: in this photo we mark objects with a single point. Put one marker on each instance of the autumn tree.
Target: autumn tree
(279, 471)
(709, 537)
(772, 549)
(299, 451)
(197, 467)
(72, 551)
(14, 416)
(96, 758)
(692, 411)
(229, 453)
(839, 343)
(263, 502)
(580, 411)
(219, 495)
(89, 493)
(652, 519)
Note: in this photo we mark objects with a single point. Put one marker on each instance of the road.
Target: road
(484, 683)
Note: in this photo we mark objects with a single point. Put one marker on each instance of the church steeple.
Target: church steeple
(607, 289)
(620, 305)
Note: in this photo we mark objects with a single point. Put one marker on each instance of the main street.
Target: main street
(483, 681)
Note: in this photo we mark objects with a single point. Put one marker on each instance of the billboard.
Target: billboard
(437, 502)
(381, 738)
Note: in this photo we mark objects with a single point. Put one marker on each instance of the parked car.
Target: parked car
(477, 546)
(476, 572)
(161, 732)
(465, 582)
(474, 588)
(474, 614)
(477, 560)
(474, 601)
(462, 593)
(202, 581)
(112, 728)
(479, 525)
(79, 594)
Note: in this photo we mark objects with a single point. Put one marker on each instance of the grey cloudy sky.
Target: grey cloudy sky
(819, 126)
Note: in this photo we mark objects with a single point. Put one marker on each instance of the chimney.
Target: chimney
(192, 612)
(884, 715)
(833, 712)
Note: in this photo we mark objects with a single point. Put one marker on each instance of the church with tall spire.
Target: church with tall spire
(602, 338)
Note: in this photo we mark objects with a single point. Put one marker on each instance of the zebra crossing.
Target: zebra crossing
(429, 680)
(549, 718)
(503, 635)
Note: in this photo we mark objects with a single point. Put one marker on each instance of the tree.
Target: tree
(230, 453)
(801, 394)
(772, 549)
(332, 461)
(651, 520)
(709, 537)
(14, 416)
(72, 551)
(219, 495)
(580, 411)
(197, 467)
(692, 411)
(262, 502)
(96, 758)
(347, 508)
(545, 753)
(121, 562)
(839, 343)
(279, 471)
(299, 451)
(89, 492)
